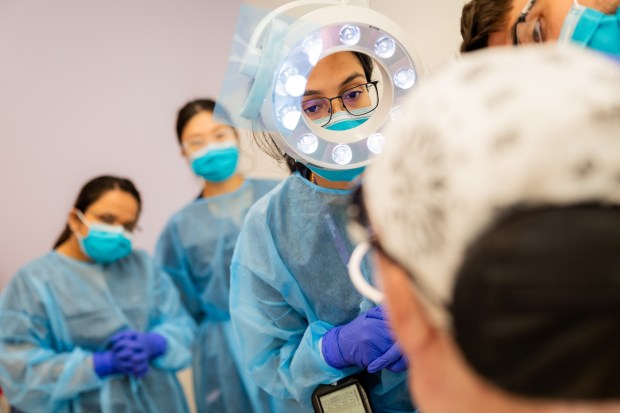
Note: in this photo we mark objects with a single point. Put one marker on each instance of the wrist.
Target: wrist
(102, 363)
(330, 350)
(157, 344)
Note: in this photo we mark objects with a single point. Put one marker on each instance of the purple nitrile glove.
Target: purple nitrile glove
(153, 344)
(394, 360)
(124, 361)
(359, 342)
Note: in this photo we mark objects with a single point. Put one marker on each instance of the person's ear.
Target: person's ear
(74, 223)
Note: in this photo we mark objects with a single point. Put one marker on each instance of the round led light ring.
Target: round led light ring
(397, 67)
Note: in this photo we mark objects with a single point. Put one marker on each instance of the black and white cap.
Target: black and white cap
(499, 192)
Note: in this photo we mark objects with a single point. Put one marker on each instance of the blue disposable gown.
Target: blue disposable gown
(195, 248)
(290, 286)
(57, 311)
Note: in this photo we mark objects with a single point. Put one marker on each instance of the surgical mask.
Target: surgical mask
(593, 29)
(104, 243)
(334, 175)
(343, 120)
(216, 162)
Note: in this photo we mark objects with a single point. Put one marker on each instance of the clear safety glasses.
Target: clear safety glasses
(196, 142)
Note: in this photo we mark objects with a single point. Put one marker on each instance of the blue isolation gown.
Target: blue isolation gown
(57, 311)
(290, 286)
(195, 248)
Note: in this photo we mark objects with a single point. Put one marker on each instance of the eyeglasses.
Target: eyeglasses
(360, 232)
(108, 219)
(198, 142)
(524, 31)
(358, 101)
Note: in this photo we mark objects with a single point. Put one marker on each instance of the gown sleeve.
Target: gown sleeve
(34, 371)
(272, 320)
(171, 257)
(171, 321)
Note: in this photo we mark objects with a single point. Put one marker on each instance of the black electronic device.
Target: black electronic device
(346, 396)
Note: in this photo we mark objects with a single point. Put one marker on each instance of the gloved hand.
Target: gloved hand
(153, 344)
(124, 361)
(394, 360)
(359, 342)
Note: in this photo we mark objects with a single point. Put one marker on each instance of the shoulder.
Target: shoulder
(271, 199)
(39, 267)
(36, 272)
(262, 186)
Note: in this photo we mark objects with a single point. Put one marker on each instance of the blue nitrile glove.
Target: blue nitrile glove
(104, 363)
(153, 344)
(359, 342)
(394, 360)
(124, 361)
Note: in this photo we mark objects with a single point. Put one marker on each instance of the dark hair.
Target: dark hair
(95, 189)
(536, 302)
(191, 109)
(479, 19)
(266, 143)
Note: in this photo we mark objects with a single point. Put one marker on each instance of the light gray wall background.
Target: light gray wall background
(92, 87)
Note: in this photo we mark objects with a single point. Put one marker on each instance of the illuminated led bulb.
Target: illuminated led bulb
(385, 47)
(295, 85)
(350, 35)
(342, 154)
(375, 143)
(308, 143)
(404, 78)
(313, 47)
(289, 116)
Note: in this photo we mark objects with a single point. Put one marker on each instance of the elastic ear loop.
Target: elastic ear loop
(360, 283)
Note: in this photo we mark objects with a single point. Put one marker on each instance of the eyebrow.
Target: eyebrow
(342, 84)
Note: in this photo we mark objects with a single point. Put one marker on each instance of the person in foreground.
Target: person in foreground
(92, 326)
(593, 24)
(496, 227)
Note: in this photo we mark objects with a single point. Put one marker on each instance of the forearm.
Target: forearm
(34, 377)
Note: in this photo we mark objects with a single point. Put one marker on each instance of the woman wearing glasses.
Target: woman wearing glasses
(92, 326)
(195, 248)
(594, 24)
(297, 315)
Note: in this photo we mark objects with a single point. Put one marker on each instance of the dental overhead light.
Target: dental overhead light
(280, 57)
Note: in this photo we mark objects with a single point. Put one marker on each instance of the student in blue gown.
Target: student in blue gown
(196, 247)
(93, 326)
(298, 317)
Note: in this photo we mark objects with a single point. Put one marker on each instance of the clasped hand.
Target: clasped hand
(129, 354)
(367, 341)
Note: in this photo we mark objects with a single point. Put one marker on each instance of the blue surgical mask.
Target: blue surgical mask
(337, 175)
(216, 162)
(343, 120)
(593, 29)
(104, 243)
